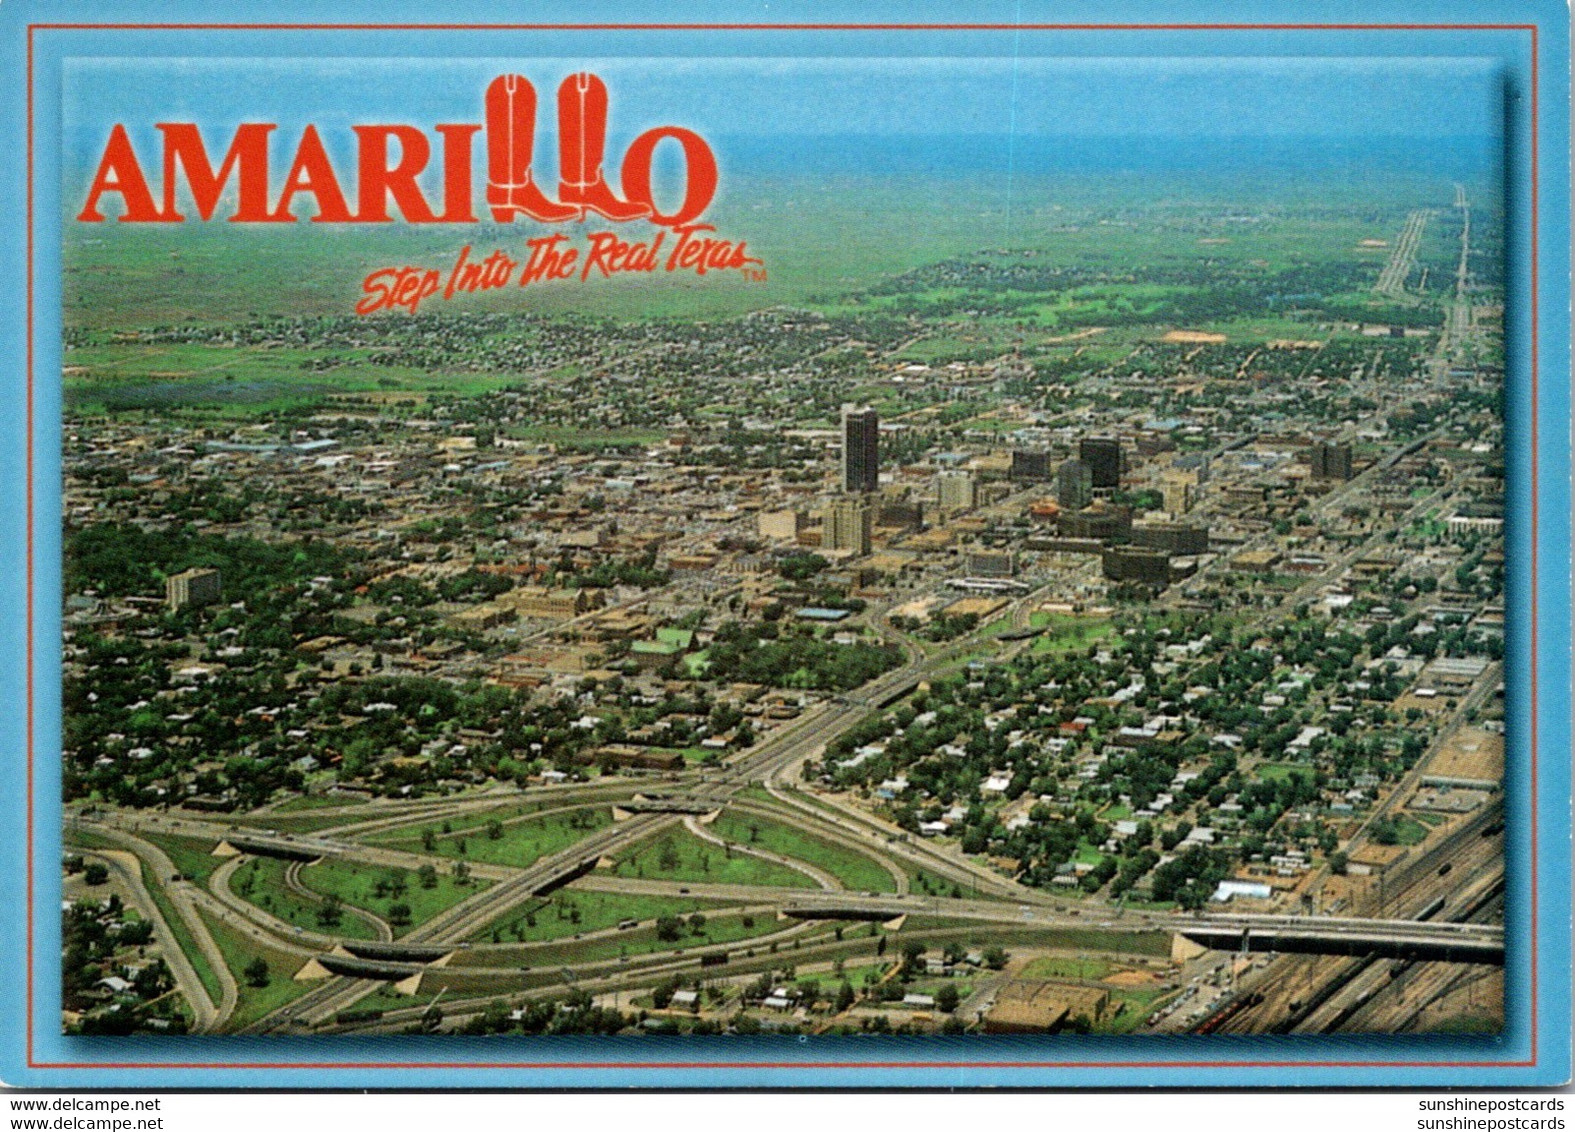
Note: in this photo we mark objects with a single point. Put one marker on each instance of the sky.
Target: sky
(1074, 98)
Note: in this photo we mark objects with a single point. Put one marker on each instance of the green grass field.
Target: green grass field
(919, 880)
(1063, 967)
(679, 855)
(1409, 831)
(307, 821)
(261, 881)
(192, 857)
(1067, 634)
(1280, 772)
(307, 802)
(357, 885)
(853, 869)
(1130, 1007)
(519, 842)
(926, 883)
(388, 997)
(818, 238)
(183, 937)
(240, 952)
(721, 928)
(571, 911)
(973, 934)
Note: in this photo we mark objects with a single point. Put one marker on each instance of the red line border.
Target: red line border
(1534, 125)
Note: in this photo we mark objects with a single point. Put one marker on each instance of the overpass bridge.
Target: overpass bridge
(281, 848)
(641, 804)
(1329, 935)
(1318, 935)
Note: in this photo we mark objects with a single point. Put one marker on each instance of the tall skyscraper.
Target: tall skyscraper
(1028, 466)
(847, 526)
(1102, 454)
(192, 587)
(1074, 485)
(956, 491)
(1331, 461)
(1180, 491)
(860, 449)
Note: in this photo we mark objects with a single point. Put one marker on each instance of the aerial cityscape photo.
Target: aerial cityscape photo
(1034, 565)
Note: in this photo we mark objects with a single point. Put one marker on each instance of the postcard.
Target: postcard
(922, 545)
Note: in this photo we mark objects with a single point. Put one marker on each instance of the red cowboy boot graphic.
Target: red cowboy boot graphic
(511, 136)
(582, 135)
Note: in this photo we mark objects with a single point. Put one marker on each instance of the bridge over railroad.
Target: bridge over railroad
(1318, 935)
(1331, 935)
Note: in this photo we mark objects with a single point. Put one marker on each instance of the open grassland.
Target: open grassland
(974, 934)
(240, 952)
(1067, 967)
(844, 247)
(720, 928)
(570, 912)
(496, 837)
(261, 881)
(1281, 772)
(819, 238)
(1067, 634)
(193, 857)
(314, 802)
(853, 869)
(920, 880)
(306, 821)
(381, 890)
(680, 855)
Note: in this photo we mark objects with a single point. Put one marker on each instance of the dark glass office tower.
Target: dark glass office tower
(860, 449)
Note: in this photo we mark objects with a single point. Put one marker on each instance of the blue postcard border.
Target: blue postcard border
(1533, 1051)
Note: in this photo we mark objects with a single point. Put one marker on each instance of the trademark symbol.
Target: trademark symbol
(751, 275)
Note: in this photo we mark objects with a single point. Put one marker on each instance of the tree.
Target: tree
(95, 873)
(330, 912)
(697, 923)
(994, 958)
(427, 875)
(1338, 862)
(256, 972)
(399, 914)
(494, 830)
(845, 996)
(947, 998)
(669, 928)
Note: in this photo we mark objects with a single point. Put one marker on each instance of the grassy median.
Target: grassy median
(679, 855)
